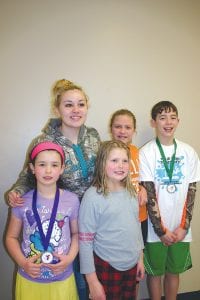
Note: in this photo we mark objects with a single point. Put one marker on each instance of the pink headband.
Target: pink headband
(47, 146)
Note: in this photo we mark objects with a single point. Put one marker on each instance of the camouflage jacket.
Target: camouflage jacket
(79, 159)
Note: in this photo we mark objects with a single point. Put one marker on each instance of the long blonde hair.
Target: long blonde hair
(100, 180)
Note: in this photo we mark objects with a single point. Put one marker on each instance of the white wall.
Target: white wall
(125, 53)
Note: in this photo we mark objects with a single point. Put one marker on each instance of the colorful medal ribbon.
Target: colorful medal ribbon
(45, 239)
(170, 169)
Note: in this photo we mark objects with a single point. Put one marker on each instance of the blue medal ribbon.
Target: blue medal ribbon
(45, 239)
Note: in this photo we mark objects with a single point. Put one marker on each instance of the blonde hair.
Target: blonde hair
(61, 86)
(100, 180)
(122, 112)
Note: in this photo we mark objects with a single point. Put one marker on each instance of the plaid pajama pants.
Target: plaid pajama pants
(118, 285)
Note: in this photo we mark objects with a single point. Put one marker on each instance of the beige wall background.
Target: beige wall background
(125, 53)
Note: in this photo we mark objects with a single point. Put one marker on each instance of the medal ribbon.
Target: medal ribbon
(45, 239)
(170, 169)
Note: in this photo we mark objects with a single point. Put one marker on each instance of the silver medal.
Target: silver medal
(47, 257)
(171, 188)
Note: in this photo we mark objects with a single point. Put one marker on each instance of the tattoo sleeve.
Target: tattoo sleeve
(153, 209)
(188, 209)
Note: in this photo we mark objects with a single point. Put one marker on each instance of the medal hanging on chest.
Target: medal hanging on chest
(47, 257)
(171, 187)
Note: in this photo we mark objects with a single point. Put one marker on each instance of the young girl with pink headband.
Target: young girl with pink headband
(49, 226)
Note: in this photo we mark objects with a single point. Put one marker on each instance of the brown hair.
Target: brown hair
(161, 106)
(99, 180)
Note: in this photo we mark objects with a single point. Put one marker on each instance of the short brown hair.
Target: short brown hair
(158, 108)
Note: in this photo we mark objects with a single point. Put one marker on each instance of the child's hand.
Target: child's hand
(97, 291)
(30, 266)
(140, 270)
(142, 196)
(95, 287)
(180, 234)
(14, 199)
(168, 238)
(61, 265)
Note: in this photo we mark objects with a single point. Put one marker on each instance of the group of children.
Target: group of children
(114, 184)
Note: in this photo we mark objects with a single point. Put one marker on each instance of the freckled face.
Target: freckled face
(123, 128)
(117, 165)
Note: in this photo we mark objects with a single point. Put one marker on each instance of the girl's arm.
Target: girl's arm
(25, 181)
(88, 224)
(95, 287)
(14, 249)
(140, 268)
(66, 259)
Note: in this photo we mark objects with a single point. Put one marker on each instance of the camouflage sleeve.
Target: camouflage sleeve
(26, 180)
(189, 206)
(153, 209)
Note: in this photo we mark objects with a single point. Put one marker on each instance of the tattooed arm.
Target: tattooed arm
(166, 236)
(181, 231)
(189, 205)
(153, 209)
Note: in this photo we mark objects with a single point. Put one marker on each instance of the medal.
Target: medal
(171, 188)
(47, 257)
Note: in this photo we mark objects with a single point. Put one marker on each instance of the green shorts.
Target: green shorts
(160, 259)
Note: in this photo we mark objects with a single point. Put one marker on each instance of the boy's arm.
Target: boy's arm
(187, 217)
(153, 209)
(182, 230)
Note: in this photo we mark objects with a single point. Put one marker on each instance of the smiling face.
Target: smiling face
(122, 128)
(47, 167)
(116, 167)
(72, 109)
(165, 125)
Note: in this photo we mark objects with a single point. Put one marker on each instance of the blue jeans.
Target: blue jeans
(80, 281)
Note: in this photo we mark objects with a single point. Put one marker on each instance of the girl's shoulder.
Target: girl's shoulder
(90, 191)
(133, 149)
(91, 194)
(66, 194)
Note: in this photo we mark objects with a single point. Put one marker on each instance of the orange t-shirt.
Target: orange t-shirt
(134, 171)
